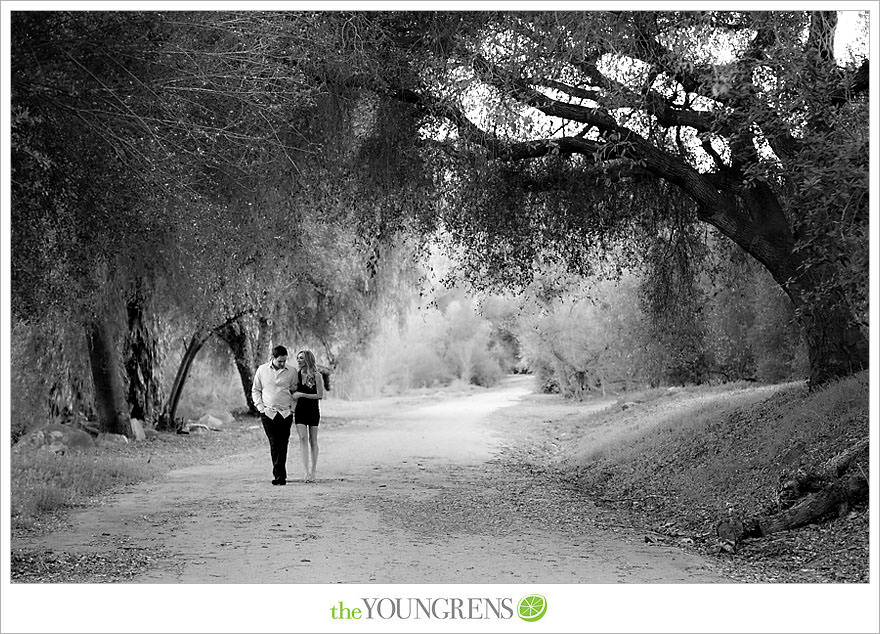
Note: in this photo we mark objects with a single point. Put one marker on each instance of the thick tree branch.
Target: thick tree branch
(720, 210)
(593, 94)
(652, 102)
(515, 86)
(710, 150)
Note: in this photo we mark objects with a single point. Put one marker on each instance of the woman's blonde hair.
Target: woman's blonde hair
(311, 369)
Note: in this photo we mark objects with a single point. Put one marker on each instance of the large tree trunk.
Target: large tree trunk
(113, 416)
(837, 346)
(140, 361)
(236, 337)
(167, 418)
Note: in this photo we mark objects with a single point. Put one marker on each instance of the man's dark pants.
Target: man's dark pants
(278, 432)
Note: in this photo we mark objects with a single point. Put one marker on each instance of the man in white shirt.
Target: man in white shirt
(274, 384)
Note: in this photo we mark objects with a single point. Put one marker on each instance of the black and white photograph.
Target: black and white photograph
(439, 316)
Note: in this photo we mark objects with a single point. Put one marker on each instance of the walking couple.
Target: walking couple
(282, 396)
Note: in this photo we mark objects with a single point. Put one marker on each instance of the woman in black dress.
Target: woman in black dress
(307, 415)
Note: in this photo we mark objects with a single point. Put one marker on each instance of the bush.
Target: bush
(49, 378)
(585, 339)
(487, 370)
(431, 346)
(419, 365)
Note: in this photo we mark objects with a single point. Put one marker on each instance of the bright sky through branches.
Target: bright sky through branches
(851, 36)
(482, 103)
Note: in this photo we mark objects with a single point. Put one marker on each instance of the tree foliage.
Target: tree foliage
(255, 171)
(554, 121)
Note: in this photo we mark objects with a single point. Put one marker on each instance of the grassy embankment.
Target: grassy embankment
(672, 460)
(42, 485)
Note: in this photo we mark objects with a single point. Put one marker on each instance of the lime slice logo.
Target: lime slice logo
(532, 607)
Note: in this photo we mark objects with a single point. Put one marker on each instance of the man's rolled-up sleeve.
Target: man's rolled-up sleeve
(257, 392)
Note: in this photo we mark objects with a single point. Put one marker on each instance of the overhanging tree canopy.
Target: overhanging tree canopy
(583, 122)
(547, 135)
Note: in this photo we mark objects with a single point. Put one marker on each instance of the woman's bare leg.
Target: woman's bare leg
(303, 432)
(313, 443)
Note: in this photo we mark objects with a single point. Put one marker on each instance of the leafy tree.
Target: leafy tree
(140, 140)
(502, 313)
(74, 227)
(559, 130)
(589, 336)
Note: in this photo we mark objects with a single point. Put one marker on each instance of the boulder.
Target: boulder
(137, 429)
(111, 440)
(220, 414)
(210, 421)
(58, 438)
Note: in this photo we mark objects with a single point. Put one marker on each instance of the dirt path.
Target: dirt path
(426, 496)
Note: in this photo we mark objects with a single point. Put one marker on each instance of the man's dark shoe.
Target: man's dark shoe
(281, 482)
(274, 482)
